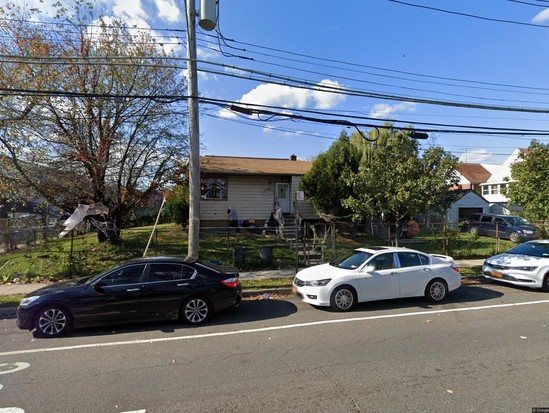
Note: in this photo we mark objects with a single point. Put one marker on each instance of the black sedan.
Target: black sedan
(139, 290)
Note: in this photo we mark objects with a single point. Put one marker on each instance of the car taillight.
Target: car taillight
(455, 267)
(231, 282)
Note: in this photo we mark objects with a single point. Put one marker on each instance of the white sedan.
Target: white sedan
(526, 264)
(377, 273)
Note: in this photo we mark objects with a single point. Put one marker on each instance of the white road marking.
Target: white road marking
(134, 411)
(1, 387)
(274, 328)
(11, 410)
(16, 367)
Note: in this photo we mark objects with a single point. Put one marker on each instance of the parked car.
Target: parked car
(142, 289)
(377, 273)
(526, 264)
(510, 227)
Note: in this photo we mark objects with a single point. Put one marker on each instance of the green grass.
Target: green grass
(266, 283)
(10, 300)
(82, 255)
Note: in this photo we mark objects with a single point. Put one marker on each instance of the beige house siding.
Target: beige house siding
(252, 197)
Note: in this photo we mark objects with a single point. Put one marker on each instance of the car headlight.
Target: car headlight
(318, 283)
(26, 301)
(525, 268)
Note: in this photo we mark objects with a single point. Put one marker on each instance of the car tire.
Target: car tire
(514, 237)
(436, 290)
(196, 310)
(473, 230)
(343, 298)
(545, 286)
(52, 321)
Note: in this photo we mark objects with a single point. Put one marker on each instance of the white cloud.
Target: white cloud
(541, 17)
(131, 10)
(269, 94)
(476, 156)
(168, 11)
(384, 110)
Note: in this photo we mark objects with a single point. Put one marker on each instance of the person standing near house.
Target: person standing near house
(233, 218)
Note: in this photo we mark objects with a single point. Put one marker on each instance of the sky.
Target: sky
(492, 53)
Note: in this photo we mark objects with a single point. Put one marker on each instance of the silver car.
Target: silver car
(526, 265)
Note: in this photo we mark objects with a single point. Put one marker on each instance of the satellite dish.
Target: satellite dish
(208, 14)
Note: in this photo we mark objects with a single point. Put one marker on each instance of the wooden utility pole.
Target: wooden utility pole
(194, 135)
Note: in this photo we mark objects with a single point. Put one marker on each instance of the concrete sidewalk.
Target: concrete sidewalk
(11, 289)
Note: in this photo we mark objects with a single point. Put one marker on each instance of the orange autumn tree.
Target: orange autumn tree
(89, 108)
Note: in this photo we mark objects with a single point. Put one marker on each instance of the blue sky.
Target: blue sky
(376, 46)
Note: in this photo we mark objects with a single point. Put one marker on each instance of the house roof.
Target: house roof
(253, 166)
(474, 172)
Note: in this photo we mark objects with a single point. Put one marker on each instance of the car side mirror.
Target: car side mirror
(98, 286)
(369, 268)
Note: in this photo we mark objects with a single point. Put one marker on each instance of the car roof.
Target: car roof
(380, 248)
(160, 258)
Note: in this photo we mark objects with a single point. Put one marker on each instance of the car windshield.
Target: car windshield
(352, 260)
(516, 221)
(535, 249)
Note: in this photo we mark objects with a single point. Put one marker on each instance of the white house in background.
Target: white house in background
(493, 188)
(466, 203)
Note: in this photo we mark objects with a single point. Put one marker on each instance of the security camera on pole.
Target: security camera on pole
(207, 22)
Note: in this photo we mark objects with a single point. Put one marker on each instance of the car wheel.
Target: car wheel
(514, 237)
(343, 298)
(473, 230)
(436, 290)
(196, 310)
(53, 321)
(545, 286)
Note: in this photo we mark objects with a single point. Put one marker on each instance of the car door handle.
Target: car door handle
(182, 285)
(131, 290)
(427, 269)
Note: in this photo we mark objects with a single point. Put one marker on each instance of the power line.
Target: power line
(473, 16)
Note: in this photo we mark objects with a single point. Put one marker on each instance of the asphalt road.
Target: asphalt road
(484, 350)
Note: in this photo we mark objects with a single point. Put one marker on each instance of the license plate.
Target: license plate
(496, 274)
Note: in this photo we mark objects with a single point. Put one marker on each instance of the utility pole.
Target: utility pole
(207, 21)
(194, 136)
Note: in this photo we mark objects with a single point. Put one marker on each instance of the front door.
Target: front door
(282, 196)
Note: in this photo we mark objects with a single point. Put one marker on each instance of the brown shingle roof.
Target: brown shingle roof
(474, 172)
(253, 166)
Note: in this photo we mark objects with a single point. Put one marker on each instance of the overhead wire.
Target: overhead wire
(473, 16)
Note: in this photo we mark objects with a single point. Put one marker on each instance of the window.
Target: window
(213, 188)
(165, 272)
(382, 262)
(126, 275)
(485, 190)
(494, 189)
(412, 259)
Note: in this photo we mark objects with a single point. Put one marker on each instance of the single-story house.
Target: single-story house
(252, 187)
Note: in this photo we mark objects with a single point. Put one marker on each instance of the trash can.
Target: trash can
(238, 256)
(266, 254)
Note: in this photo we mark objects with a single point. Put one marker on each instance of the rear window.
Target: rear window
(534, 249)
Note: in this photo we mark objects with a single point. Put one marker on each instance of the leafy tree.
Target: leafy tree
(177, 204)
(326, 184)
(395, 181)
(529, 186)
(97, 111)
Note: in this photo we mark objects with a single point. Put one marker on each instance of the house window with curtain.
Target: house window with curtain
(213, 188)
